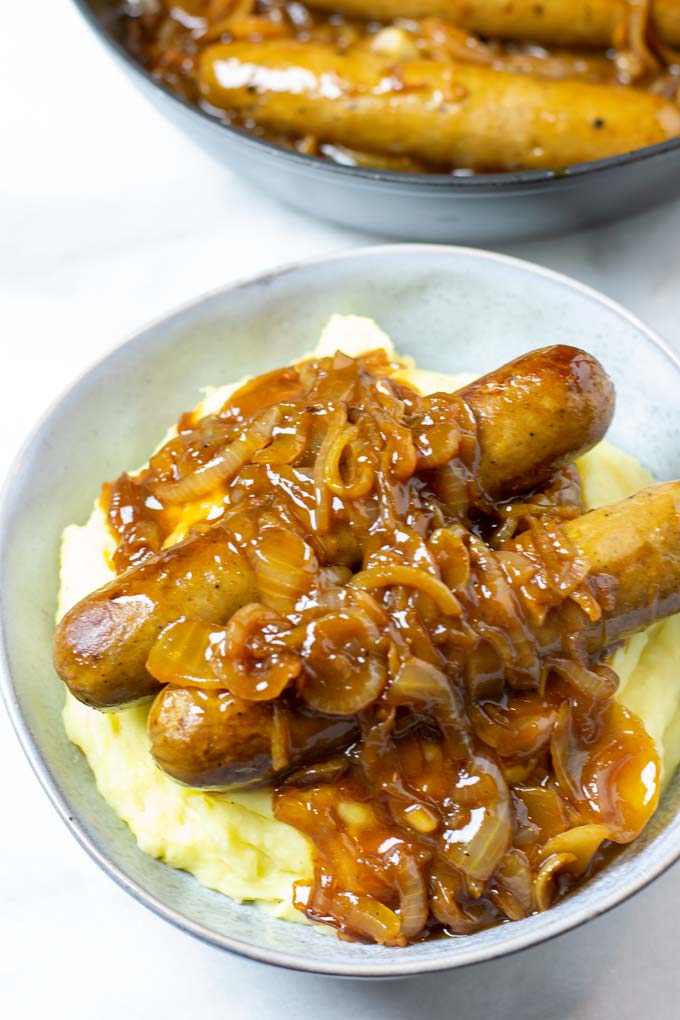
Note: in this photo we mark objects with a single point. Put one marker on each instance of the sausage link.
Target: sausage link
(451, 115)
(588, 23)
(102, 644)
(536, 414)
(214, 740)
(637, 543)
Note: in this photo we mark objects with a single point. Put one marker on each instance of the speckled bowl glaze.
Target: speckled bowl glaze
(452, 308)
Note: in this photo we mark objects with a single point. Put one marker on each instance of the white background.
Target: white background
(109, 218)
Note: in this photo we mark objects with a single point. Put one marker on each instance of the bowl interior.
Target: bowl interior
(454, 309)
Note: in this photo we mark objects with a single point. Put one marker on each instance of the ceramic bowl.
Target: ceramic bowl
(454, 309)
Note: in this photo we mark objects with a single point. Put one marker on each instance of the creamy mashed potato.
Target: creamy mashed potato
(231, 842)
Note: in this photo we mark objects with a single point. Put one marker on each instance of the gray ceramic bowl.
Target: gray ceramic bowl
(454, 309)
(415, 207)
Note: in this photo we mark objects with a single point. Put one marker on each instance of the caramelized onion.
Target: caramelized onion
(599, 683)
(362, 476)
(342, 598)
(413, 906)
(477, 847)
(513, 886)
(318, 772)
(453, 908)
(452, 484)
(586, 600)
(438, 436)
(224, 466)
(192, 653)
(567, 755)
(452, 556)
(424, 689)
(503, 620)
(544, 882)
(252, 661)
(342, 675)
(411, 577)
(285, 568)
(477, 843)
(248, 622)
(581, 843)
(183, 655)
(608, 765)
(286, 446)
(399, 454)
(422, 686)
(337, 417)
(281, 746)
(368, 917)
(562, 568)
(261, 681)
(545, 810)
(517, 568)
(522, 727)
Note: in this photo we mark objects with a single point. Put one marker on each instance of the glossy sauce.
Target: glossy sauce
(486, 775)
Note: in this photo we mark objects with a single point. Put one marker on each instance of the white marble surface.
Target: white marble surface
(108, 218)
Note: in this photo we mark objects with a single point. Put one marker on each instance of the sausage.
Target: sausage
(588, 23)
(636, 542)
(666, 20)
(633, 546)
(536, 414)
(102, 644)
(448, 115)
(214, 740)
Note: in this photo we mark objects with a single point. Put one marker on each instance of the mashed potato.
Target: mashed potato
(232, 842)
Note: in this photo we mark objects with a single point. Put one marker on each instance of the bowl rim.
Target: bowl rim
(519, 939)
(480, 183)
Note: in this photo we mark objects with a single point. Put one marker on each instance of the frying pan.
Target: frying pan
(427, 207)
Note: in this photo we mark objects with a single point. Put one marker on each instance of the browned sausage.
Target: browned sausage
(633, 546)
(534, 415)
(451, 115)
(102, 644)
(227, 742)
(593, 23)
(637, 543)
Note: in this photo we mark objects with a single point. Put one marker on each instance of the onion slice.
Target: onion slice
(410, 577)
(182, 655)
(285, 568)
(513, 886)
(262, 681)
(368, 917)
(343, 675)
(582, 842)
(413, 906)
(422, 687)
(544, 881)
(225, 465)
(477, 843)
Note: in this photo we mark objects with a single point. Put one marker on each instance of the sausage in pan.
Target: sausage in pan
(460, 115)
